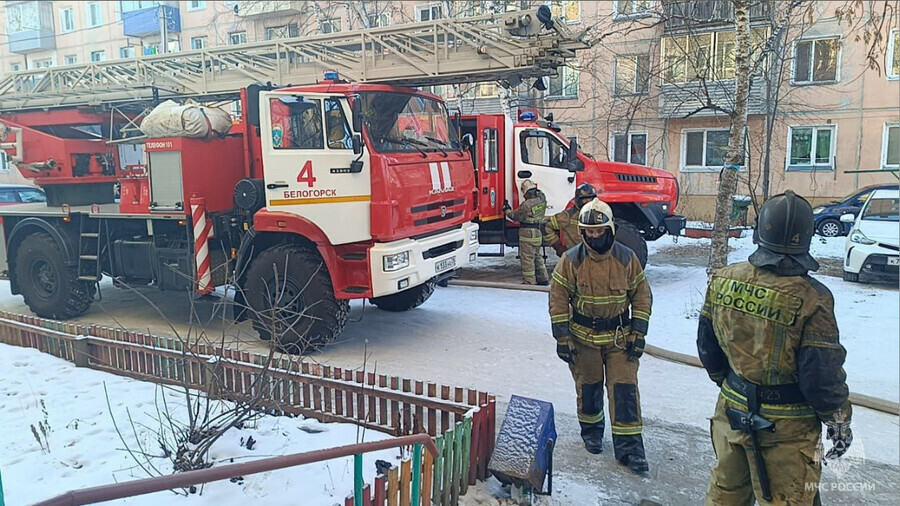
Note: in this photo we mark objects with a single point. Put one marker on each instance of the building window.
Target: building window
(70, 59)
(94, 14)
(237, 38)
(811, 148)
(15, 67)
(194, 5)
(128, 6)
(686, 59)
(564, 84)
(816, 61)
(379, 20)
(568, 10)
(703, 149)
(282, 32)
(198, 42)
(890, 146)
(631, 9)
(67, 20)
(893, 67)
(630, 148)
(98, 55)
(486, 90)
(429, 12)
(126, 52)
(332, 25)
(631, 74)
(42, 64)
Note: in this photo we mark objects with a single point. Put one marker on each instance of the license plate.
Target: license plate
(445, 264)
(893, 260)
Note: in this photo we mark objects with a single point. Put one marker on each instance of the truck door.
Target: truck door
(540, 157)
(307, 151)
(490, 141)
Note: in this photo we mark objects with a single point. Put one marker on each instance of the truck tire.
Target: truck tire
(297, 307)
(405, 300)
(51, 288)
(629, 235)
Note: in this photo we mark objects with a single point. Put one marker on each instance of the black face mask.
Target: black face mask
(600, 244)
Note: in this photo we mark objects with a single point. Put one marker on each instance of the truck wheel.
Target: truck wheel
(629, 235)
(50, 288)
(292, 301)
(405, 300)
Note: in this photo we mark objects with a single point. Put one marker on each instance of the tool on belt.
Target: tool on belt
(751, 422)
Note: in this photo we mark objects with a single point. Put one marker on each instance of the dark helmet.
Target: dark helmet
(584, 194)
(785, 224)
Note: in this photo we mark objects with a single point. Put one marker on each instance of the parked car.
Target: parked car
(20, 194)
(873, 246)
(828, 217)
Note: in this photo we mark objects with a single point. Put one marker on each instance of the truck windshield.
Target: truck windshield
(403, 122)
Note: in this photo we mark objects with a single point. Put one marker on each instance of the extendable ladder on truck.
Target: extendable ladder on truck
(504, 47)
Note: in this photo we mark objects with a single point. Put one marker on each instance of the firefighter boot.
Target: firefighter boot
(637, 463)
(592, 434)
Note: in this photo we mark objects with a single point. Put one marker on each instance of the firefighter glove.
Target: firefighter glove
(636, 347)
(565, 352)
(559, 248)
(840, 436)
(506, 206)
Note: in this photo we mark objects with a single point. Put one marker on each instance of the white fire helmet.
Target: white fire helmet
(596, 214)
(527, 185)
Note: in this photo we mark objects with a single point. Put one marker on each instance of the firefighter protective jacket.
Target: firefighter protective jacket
(599, 286)
(774, 330)
(566, 223)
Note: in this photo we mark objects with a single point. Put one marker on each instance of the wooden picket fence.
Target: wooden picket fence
(461, 420)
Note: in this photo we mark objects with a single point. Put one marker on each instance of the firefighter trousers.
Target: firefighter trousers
(534, 270)
(594, 365)
(790, 454)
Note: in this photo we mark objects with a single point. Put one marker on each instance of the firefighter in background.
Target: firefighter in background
(594, 285)
(768, 337)
(565, 222)
(529, 215)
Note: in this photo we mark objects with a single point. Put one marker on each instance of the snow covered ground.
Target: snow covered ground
(85, 450)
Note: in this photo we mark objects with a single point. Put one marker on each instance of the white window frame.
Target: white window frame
(101, 52)
(332, 22)
(612, 144)
(74, 58)
(812, 55)
(429, 7)
(636, 15)
(62, 19)
(884, 145)
(812, 166)
(633, 57)
(231, 35)
(15, 67)
(683, 147)
(125, 49)
(563, 69)
(382, 20)
(202, 39)
(892, 47)
(99, 22)
(200, 5)
(549, 3)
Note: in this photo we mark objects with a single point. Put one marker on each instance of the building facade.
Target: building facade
(654, 90)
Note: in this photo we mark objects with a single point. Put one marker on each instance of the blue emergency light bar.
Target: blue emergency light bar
(331, 75)
(527, 116)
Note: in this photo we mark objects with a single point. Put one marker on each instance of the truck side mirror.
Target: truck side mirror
(468, 141)
(357, 144)
(573, 164)
(356, 111)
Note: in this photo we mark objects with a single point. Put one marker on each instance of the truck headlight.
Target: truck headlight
(860, 238)
(473, 236)
(818, 210)
(396, 261)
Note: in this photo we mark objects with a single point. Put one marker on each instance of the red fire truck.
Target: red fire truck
(506, 153)
(320, 194)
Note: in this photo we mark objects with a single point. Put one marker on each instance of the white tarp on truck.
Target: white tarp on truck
(169, 119)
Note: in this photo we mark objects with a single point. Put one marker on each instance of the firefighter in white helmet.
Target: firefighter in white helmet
(599, 312)
(529, 214)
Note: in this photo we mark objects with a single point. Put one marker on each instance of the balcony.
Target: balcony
(693, 15)
(29, 26)
(251, 9)
(687, 99)
(144, 22)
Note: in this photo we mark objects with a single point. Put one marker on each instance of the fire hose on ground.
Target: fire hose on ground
(857, 399)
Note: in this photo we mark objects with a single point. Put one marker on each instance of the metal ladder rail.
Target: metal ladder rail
(444, 51)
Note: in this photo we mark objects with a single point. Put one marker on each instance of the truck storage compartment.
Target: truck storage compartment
(132, 260)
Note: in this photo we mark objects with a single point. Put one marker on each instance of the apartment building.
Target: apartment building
(655, 90)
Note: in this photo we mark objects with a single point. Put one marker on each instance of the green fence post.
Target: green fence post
(417, 474)
(438, 477)
(357, 480)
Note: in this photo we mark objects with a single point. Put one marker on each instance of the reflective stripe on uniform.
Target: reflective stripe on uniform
(637, 280)
(599, 417)
(586, 335)
(785, 411)
(559, 318)
(627, 430)
(641, 315)
(581, 301)
(558, 278)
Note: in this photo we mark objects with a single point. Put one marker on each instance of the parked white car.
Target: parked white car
(873, 244)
